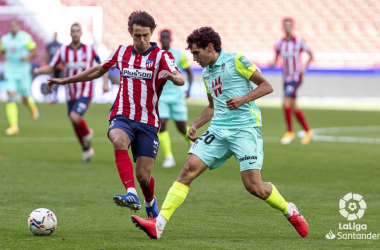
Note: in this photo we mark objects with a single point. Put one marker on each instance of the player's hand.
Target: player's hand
(52, 81)
(302, 72)
(166, 75)
(24, 58)
(235, 102)
(187, 94)
(105, 88)
(191, 134)
(36, 71)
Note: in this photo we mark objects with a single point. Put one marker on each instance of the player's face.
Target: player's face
(14, 26)
(288, 26)
(75, 33)
(201, 56)
(165, 39)
(141, 37)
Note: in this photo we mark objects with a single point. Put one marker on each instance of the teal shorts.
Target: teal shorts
(18, 83)
(216, 146)
(176, 110)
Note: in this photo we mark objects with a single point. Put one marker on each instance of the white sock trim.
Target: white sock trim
(132, 190)
(161, 222)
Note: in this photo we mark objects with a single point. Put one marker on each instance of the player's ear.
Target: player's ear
(151, 31)
(130, 32)
(210, 47)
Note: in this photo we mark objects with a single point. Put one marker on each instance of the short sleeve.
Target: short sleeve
(183, 63)
(112, 59)
(204, 81)
(56, 58)
(30, 44)
(304, 46)
(244, 67)
(95, 55)
(168, 62)
(277, 46)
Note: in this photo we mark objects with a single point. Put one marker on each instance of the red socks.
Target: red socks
(288, 118)
(82, 125)
(81, 130)
(301, 118)
(125, 168)
(148, 190)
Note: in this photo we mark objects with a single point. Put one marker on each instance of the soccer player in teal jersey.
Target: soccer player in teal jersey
(172, 104)
(19, 48)
(233, 131)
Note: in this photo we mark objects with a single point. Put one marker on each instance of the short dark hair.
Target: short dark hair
(141, 18)
(165, 31)
(202, 37)
(75, 24)
(288, 19)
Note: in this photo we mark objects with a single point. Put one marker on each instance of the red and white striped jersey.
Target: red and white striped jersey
(75, 62)
(140, 88)
(290, 52)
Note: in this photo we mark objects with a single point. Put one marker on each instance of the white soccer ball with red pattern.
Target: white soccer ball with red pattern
(42, 222)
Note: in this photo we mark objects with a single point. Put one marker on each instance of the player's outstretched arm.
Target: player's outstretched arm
(264, 88)
(275, 60)
(204, 118)
(43, 70)
(175, 77)
(87, 75)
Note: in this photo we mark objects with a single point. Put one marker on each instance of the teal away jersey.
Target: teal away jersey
(15, 47)
(171, 91)
(229, 77)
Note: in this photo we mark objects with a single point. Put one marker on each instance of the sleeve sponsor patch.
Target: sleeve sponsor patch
(245, 61)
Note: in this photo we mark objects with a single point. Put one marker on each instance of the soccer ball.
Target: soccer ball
(42, 222)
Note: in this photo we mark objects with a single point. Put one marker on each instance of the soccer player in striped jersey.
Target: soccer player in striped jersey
(134, 119)
(19, 48)
(290, 48)
(171, 104)
(233, 131)
(76, 58)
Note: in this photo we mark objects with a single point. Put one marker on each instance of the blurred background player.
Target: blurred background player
(76, 58)
(51, 49)
(233, 131)
(290, 48)
(19, 48)
(172, 104)
(134, 118)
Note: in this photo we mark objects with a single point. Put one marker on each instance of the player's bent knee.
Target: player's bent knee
(119, 143)
(143, 179)
(256, 190)
(188, 173)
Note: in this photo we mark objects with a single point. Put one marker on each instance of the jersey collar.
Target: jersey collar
(80, 46)
(154, 45)
(218, 61)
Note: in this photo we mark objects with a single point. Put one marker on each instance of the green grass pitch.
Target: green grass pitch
(41, 167)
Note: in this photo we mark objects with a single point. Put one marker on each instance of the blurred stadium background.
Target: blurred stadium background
(344, 37)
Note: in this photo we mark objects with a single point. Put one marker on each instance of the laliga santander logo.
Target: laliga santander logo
(352, 206)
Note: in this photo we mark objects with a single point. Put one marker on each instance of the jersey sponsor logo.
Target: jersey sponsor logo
(217, 86)
(251, 158)
(288, 54)
(150, 63)
(245, 61)
(139, 74)
(172, 63)
(75, 65)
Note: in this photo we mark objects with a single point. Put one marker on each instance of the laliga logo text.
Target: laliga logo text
(352, 207)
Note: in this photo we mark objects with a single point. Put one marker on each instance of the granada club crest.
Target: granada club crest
(149, 63)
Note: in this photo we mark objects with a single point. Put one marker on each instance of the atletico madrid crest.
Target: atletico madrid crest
(149, 63)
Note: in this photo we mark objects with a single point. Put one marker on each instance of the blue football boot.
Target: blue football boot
(129, 200)
(152, 211)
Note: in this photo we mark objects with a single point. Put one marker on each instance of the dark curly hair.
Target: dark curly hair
(203, 36)
(141, 18)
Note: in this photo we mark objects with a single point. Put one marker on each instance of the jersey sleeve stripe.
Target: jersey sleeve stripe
(112, 59)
